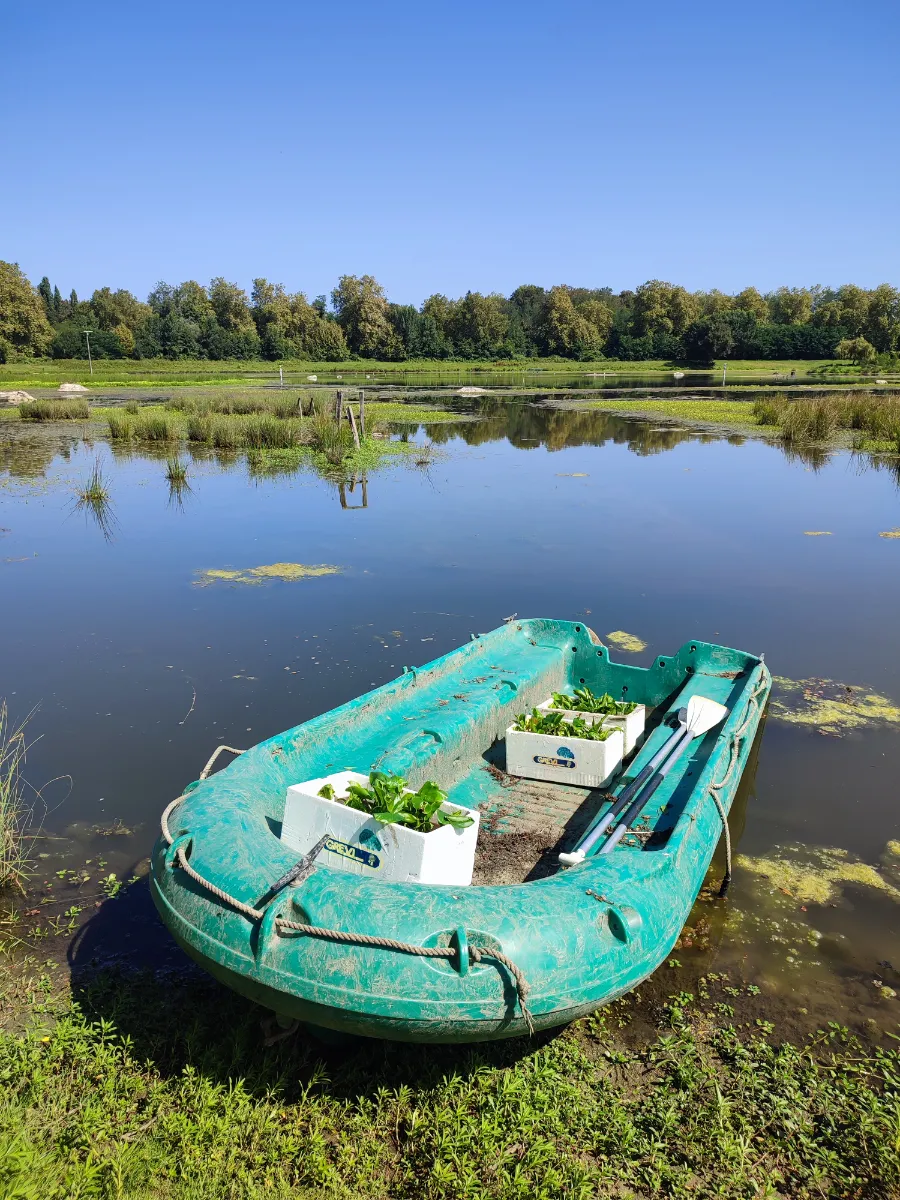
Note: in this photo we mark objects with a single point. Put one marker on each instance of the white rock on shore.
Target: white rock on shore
(16, 397)
(72, 387)
(471, 391)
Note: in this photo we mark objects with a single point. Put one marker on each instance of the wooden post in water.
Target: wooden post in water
(352, 420)
(339, 406)
(362, 414)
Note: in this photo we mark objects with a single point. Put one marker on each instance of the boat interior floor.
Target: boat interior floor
(527, 823)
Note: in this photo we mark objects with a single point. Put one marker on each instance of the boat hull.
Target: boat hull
(580, 938)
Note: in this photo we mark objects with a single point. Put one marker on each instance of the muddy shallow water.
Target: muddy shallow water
(145, 645)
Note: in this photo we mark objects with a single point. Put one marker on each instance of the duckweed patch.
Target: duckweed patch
(890, 533)
(816, 874)
(817, 533)
(628, 642)
(286, 572)
(831, 707)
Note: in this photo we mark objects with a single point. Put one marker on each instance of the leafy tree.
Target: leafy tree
(24, 327)
(112, 309)
(231, 307)
(362, 312)
(478, 325)
(708, 339)
(564, 330)
(46, 294)
(882, 323)
(663, 308)
(599, 314)
(790, 306)
(750, 301)
(857, 349)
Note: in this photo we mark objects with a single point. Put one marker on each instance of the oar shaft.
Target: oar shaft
(670, 746)
(634, 811)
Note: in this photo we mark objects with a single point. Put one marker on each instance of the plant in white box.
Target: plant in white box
(564, 748)
(619, 714)
(376, 827)
(390, 802)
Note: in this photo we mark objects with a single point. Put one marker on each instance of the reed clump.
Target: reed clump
(121, 427)
(873, 418)
(14, 813)
(132, 408)
(55, 410)
(176, 471)
(156, 427)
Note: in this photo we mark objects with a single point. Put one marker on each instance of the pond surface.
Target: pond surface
(138, 664)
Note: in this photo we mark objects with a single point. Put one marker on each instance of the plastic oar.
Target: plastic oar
(703, 714)
(587, 844)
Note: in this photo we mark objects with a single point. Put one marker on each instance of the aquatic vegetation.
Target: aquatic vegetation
(14, 813)
(584, 700)
(890, 533)
(286, 572)
(628, 642)
(555, 723)
(156, 427)
(95, 489)
(176, 470)
(132, 408)
(387, 801)
(817, 533)
(55, 410)
(831, 707)
(815, 874)
(120, 426)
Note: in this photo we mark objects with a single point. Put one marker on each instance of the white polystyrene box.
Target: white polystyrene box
(631, 724)
(363, 846)
(561, 759)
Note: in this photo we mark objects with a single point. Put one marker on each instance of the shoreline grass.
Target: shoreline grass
(156, 372)
(152, 1087)
(14, 813)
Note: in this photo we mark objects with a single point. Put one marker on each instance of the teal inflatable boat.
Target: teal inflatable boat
(530, 944)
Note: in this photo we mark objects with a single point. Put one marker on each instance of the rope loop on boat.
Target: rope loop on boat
(340, 935)
(734, 756)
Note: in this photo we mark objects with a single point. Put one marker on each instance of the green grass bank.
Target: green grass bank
(149, 1088)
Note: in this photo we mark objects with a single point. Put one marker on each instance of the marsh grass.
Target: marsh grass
(121, 427)
(93, 499)
(176, 471)
(55, 410)
(156, 427)
(132, 408)
(152, 1088)
(873, 419)
(14, 812)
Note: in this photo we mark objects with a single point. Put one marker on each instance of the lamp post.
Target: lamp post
(87, 334)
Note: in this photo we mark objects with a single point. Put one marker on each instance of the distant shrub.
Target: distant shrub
(55, 410)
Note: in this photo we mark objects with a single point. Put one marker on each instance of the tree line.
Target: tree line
(654, 321)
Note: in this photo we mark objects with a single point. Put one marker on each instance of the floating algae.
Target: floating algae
(890, 533)
(287, 572)
(831, 707)
(815, 874)
(817, 533)
(626, 641)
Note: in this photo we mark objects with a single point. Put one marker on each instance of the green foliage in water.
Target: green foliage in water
(556, 724)
(387, 800)
(55, 410)
(584, 700)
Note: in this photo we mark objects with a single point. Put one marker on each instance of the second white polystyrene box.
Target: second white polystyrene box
(561, 759)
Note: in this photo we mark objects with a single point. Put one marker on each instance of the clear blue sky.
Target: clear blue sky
(447, 146)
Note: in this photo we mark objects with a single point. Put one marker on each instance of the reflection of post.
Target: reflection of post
(364, 487)
(362, 414)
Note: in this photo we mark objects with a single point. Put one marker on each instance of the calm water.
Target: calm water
(137, 672)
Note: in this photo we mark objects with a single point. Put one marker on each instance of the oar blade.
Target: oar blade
(704, 714)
